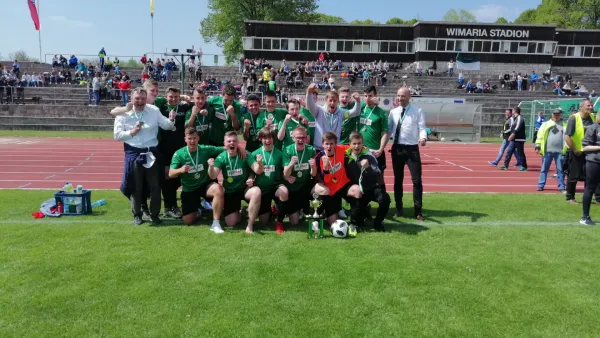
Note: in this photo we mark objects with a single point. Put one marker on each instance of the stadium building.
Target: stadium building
(494, 45)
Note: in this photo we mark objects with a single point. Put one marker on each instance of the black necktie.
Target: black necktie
(397, 134)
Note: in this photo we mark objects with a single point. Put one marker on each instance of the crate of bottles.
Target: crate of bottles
(73, 203)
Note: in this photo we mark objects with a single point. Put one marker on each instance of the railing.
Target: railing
(205, 59)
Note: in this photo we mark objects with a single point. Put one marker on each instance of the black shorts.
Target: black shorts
(233, 201)
(332, 203)
(382, 162)
(299, 200)
(265, 201)
(190, 200)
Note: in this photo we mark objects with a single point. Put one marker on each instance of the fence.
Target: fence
(529, 109)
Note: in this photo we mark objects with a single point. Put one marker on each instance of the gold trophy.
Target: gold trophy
(316, 204)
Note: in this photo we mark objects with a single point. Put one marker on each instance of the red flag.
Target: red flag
(34, 14)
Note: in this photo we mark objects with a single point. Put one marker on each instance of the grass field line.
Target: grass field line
(63, 221)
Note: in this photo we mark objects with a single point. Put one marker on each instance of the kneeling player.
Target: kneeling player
(299, 171)
(333, 183)
(362, 168)
(238, 183)
(267, 164)
(191, 163)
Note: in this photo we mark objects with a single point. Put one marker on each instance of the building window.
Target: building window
(441, 45)
(384, 47)
(586, 51)
(431, 43)
(540, 48)
(487, 46)
(450, 45)
(256, 43)
(276, 44)
(458, 46)
(571, 51)
(394, 47)
(266, 44)
(284, 44)
(561, 51)
(596, 53)
(321, 45)
(403, 47)
(312, 45)
(495, 46)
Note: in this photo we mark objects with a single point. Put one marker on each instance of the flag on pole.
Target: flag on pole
(152, 8)
(34, 14)
(468, 61)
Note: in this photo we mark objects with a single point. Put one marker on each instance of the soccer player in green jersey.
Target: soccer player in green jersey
(238, 181)
(350, 124)
(273, 114)
(254, 121)
(267, 164)
(374, 128)
(299, 170)
(191, 164)
(289, 124)
(226, 116)
(199, 116)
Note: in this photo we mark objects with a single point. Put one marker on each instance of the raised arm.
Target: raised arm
(355, 111)
(121, 110)
(311, 105)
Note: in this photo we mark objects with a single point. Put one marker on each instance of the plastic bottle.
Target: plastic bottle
(60, 208)
(80, 189)
(98, 203)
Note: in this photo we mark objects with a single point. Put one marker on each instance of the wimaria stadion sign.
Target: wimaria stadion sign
(492, 33)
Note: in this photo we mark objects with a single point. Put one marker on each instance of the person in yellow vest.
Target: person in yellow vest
(574, 133)
(550, 144)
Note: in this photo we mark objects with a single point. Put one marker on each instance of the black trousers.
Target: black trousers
(577, 172)
(376, 195)
(592, 178)
(146, 182)
(407, 155)
(169, 191)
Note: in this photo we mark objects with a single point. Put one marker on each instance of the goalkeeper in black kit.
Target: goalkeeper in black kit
(362, 169)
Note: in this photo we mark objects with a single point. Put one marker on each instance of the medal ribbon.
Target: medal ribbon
(194, 164)
(301, 158)
(235, 165)
(140, 117)
(265, 157)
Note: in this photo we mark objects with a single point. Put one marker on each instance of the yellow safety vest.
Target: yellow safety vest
(577, 137)
(543, 134)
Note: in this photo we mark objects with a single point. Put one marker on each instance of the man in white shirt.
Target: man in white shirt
(406, 124)
(138, 128)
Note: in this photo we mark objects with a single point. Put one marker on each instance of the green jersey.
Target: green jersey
(198, 160)
(220, 122)
(373, 122)
(256, 123)
(311, 124)
(161, 103)
(273, 164)
(289, 127)
(235, 171)
(301, 169)
(276, 115)
(202, 123)
(349, 125)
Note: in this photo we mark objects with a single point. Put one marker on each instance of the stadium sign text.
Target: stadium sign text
(493, 33)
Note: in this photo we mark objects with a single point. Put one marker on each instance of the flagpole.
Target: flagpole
(153, 37)
(40, 30)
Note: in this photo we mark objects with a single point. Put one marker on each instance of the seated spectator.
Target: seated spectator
(73, 61)
(558, 90)
(470, 87)
(63, 61)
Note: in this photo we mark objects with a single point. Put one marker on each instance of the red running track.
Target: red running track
(47, 163)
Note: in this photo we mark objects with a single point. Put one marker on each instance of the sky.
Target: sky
(124, 27)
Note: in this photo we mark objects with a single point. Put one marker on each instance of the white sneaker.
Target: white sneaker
(342, 214)
(216, 228)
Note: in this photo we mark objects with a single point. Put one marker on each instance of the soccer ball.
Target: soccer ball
(339, 229)
(443, 139)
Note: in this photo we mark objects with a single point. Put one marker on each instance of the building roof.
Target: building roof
(405, 26)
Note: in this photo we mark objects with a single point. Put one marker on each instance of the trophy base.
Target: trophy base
(312, 234)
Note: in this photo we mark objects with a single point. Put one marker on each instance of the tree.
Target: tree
(21, 55)
(578, 14)
(364, 22)
(459, 16)
(501, 20)
(225, 21)
(394, 21)
(324, 18)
